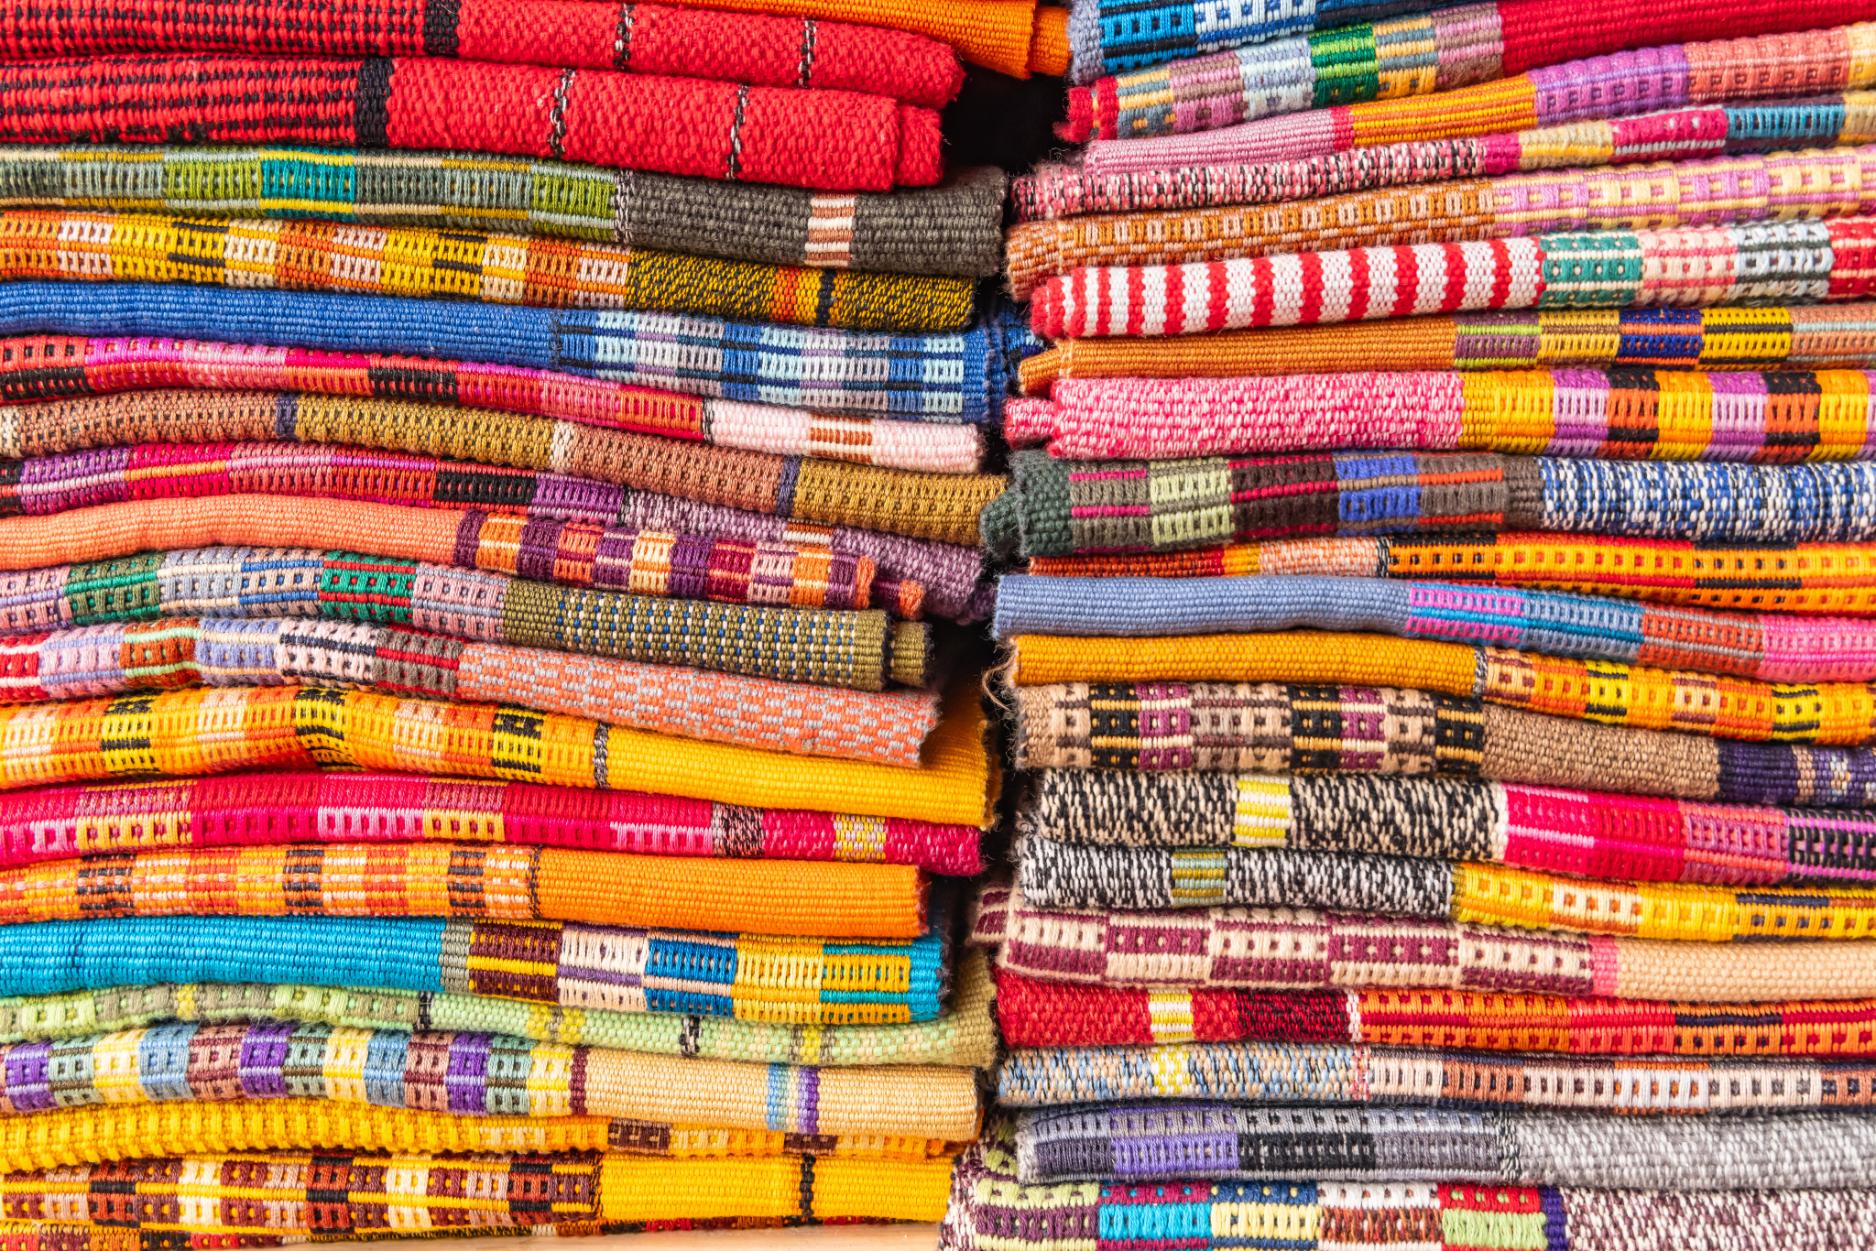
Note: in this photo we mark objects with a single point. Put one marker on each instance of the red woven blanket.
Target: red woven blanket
(748, 48)
(823, 140)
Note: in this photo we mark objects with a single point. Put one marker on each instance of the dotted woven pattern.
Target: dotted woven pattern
(963, 1037)
(1420, 54)
(268, 809)
(50, 368)
(1591, 834)
(199, 732)
(1621, 84)
(820, 140)
(1108, 36)
(1794, 578)
(783, 981)
(1035, 1013)
(1777, 262)
(465, 265)
(1070, 190)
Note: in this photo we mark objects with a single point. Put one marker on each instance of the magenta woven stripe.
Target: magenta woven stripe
(1614, 414)
(1801, 262)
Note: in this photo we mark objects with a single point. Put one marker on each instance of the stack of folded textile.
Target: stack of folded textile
(1447, 818)
(480, 740)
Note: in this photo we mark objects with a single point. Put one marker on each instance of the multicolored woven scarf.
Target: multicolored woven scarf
(1069, 190)
(917, 1109)
(1766, 262)
(1059, 508)
(285, 1197)
(1220, 1142)
(1765, 647)
(464, 265)
(1730, 71)
(781, 981)
(954, 229)
(1806, 578)
(1055, 874)
(1419, 54)
(1308, 1073)
(991, 1211)
(963, 1037)
(858, 650)
(51, 368)
(355, 449)
(1593, 834)
(1835, 182)
(1033, 1013)
(821, 140)
(645, 39)
(267, 809)
(1616, 414)
(1827, 336)
(942, 377)
(541, 549)
(1277, 729)
(1107, 36)
(195, 733)
(1296, 949)
(782, 897)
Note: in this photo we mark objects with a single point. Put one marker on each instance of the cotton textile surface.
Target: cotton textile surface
(648, 39)
(1726, 337)
(1112, 35)
(1585, 833)
(818, 140)
(992, 1211)
(1420, 54)
(1217, 1142)
(952, 229)
(458, 264)
(1033, 1013)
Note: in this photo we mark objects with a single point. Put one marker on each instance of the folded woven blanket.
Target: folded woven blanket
(341, 448)
(952, 229)
(465, 265)
(1806, 578)
(478, 1074)
(1762, 262)
(1055, 874)
(1269, 728)
(1060, 508)
(193, 733)
(1422, 53)
(939, 377)
(646, 39)
(1033, 1013)
(541, 549)
(1615, 414)
(1817, 183)
(824, 140)
(1767, 647)
(783, 897)
(1596, 834)
(1727, 71)
(1825, 336)
(269, 809)
(53, 368)
(991, 1211)
(778, 981)
(1219, 1141)
(799, 718)
(963, 1037)
(1015, 37)
(1107, 36)
(1297, 949)
(1069, 190)
(1311, 1073)
(293, 1194)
